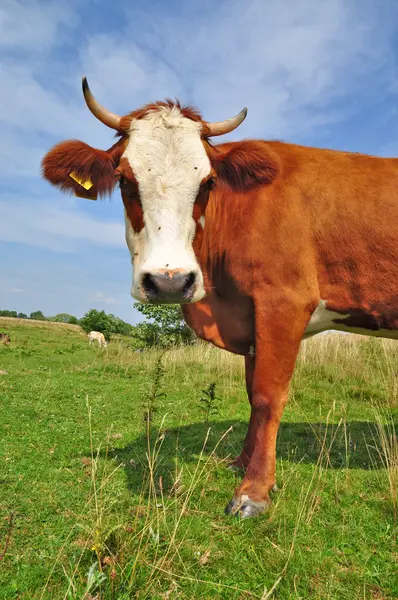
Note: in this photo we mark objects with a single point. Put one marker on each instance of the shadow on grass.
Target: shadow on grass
(351, 447)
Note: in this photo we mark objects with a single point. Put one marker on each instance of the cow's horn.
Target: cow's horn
(100, 112)
(222, 127)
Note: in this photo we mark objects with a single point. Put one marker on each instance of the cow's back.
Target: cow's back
(353, 213)
(326, 230)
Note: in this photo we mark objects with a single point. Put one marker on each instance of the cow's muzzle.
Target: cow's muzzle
(169, 287)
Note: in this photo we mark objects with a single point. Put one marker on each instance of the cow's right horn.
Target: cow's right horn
(223, 127)
(100, 112)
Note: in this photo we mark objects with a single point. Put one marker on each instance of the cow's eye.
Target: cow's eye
(210, 183)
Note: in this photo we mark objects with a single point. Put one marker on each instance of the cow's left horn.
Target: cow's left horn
(100, 112)
(222, 127)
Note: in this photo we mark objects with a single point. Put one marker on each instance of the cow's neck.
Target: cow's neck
(221, 239)
(225, 303)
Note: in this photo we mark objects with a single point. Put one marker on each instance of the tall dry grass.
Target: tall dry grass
(357, 356)
(156, 532)
(12, 321)
(385, 441)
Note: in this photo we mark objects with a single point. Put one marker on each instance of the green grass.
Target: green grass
(105, 504)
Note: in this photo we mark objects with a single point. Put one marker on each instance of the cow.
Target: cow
(262, 243)
(5, 338)
(99, 337)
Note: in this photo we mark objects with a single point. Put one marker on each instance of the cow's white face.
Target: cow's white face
(165, 177)
(166, 158)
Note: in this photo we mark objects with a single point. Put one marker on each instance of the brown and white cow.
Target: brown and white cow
(263, 243)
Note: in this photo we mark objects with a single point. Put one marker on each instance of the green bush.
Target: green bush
(37, 315)
(164, 326)
(8, 313)
(64, 318)
(97, 320)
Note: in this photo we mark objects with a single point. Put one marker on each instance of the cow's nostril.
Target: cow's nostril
(189, 283)
(149, 284)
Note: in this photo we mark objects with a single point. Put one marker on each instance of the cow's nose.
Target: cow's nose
(169, 287)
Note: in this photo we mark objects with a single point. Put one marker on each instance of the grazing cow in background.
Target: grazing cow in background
(262, 243)
(5, 338)
(99, 337)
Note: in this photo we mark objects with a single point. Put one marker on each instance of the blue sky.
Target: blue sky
(311, 72)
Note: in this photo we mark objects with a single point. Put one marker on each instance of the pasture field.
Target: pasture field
(113, 474)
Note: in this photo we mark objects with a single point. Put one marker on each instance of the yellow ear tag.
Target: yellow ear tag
(86, 184)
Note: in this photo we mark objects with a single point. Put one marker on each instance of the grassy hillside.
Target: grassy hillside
(7, 322)
(97, 502)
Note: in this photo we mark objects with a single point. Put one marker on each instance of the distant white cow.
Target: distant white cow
(96, 335)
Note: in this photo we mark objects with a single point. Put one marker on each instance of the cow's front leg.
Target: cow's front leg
(278, 338)
(240, 463)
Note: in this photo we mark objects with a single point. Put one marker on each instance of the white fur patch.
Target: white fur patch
(323, 319)
(168, 159)
(202, 221)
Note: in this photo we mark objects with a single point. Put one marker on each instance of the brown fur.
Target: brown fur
(286, 226)
(325, 228)
(245, 164)
(86, 162)
(206, 185)
(130, 195)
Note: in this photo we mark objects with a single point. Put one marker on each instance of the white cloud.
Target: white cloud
(290, 62)
(28, 108)
(40, 224)
(100, 297)
(123, 76)
(25, 160)
(33, 25)
(14, 290)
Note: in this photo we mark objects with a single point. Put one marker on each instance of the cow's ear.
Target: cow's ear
(244, 165)
(76, 167)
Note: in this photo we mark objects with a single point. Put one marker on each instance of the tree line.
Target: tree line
(163, 326)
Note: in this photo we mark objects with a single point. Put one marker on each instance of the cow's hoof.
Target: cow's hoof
(245, 507)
